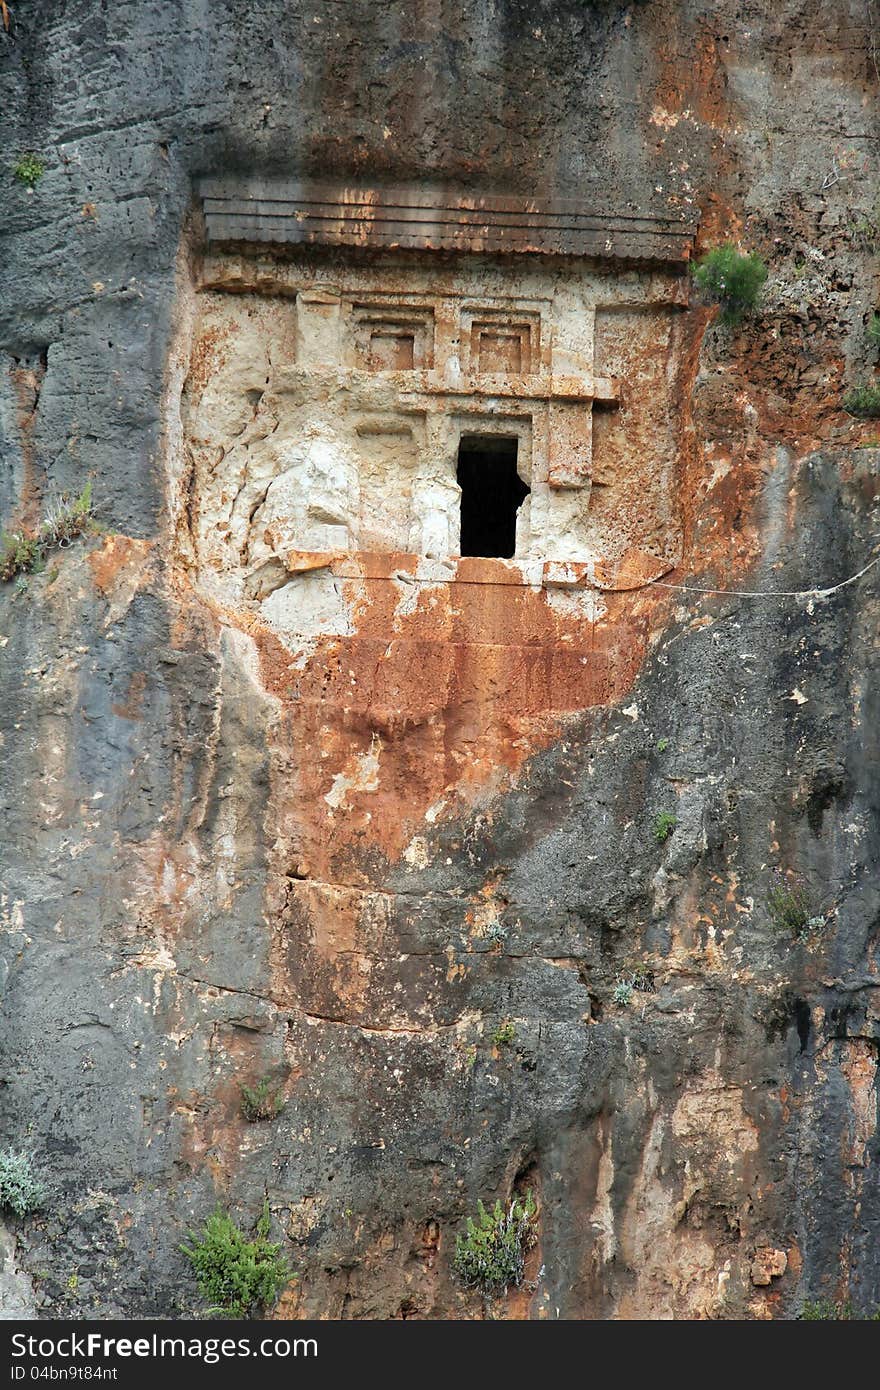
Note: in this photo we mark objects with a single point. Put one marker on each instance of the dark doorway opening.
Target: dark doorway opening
(491, 492)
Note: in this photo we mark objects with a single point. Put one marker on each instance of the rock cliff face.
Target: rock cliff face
(344, 853)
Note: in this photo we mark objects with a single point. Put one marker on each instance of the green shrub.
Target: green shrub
(790, 905)
(20, 1190)
(664, 824)
(732, 279)
(238, 1277)
(66, 519)
(490, 1254)
(504, 1034)
(874, 329)
(863, 401)
(826, 1310)
(19, 554)
(261, 1102)
(622, 993)
(29, 170)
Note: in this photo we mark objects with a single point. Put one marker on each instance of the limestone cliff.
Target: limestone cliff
(382, 827)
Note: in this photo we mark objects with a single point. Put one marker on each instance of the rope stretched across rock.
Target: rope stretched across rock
(770, 593)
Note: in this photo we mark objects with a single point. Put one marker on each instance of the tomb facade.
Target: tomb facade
(369, 370)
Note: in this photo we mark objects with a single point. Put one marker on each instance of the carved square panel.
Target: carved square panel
(499, 351)
(501, 341)
(393, 338)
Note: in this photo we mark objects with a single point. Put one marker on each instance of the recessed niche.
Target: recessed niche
(502, 343)
(393, 339)
(501, 352)
(391, 351)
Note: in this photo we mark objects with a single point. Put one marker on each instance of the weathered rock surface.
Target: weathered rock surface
(345, 876)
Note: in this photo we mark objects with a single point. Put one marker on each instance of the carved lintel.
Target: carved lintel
(526, 388)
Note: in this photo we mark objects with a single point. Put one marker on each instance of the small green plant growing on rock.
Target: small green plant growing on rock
(863, 228)
(19, 555)
(504, 1034)
(29, 170)
(829, 1310)
(20, 1190)
(732, 279)
(874, 330)
(261, 1102)
(66, 519)
(662, 745)
(790, 905)
(239, 1277)
(622, 993)
(490, 1254)
(641, 977)
(635, 978)
(664, 824)
(826, 1310)
(863, 402)
(497, 934)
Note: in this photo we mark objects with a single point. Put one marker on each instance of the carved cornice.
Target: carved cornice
(431, 218)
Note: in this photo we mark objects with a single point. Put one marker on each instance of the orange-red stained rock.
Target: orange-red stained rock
(439, 703)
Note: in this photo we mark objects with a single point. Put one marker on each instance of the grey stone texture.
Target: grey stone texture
(153, 954)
